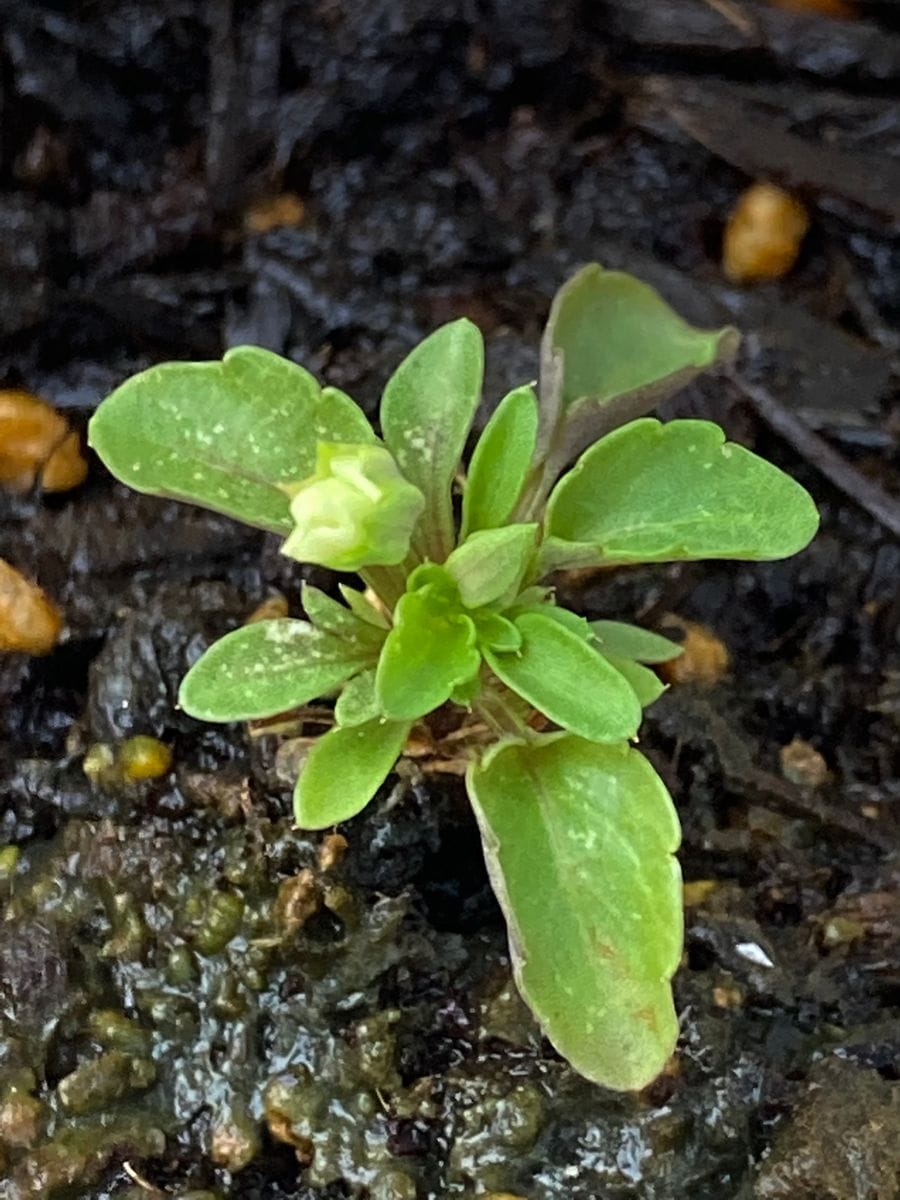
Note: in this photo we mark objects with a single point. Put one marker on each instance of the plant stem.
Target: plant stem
(388, 583)
(543, 476)
(494, 708)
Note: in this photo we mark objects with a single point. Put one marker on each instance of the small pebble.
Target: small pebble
(271, 608)
(763, 235)
(181, 966)
(840, 931)
(393, 1185)
(114, 1031)
(802, 764)
(275, 212)
(755, 954)
(103, 1081)
(727, 996)
(22, 1119)
(99, 762)
(44, 160)
(9, 861)
(332, 851)
(37, 442)
(234, 1140)
(698, 891)
(220, 922)
(30, 623)
(144, 757)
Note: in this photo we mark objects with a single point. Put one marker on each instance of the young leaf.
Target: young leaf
(465, 693)
(623, 350)
(490, 564)
(362, 607)
(426, 412)
(224, 434)
(534, 595)
(330, 616)
(344, 770)
(617, 637)
(496, 631)
(429, 574)
(655, 493)
(568, 681)
(428, 653)
(579, 841)
(644, 683)
(357, 702)
(266, 668)
(500, 462)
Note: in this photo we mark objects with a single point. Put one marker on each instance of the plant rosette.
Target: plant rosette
(456, 612)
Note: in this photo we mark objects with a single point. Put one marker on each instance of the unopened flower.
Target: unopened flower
(357, 510)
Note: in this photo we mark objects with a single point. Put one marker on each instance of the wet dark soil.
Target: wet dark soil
(193, 1001)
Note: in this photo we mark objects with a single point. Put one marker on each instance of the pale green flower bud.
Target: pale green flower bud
(356, 511)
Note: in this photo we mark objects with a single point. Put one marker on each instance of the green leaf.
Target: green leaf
(429, 574)
(426, 413)
(568, 681)
(535, 595)
(613, 349)
(490, 564)
(630, 641)
(497, 632)
(266, 668)
(646, 685)
(467, 692)
(500, 462)
(344, 770)
(331, 616)
(428, 653)
(655, 493)
(224, 435)
(579, 841)
(362, 607)
(357, 702)
(562, 616)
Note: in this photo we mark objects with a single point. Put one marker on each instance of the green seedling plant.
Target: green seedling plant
(451, 609)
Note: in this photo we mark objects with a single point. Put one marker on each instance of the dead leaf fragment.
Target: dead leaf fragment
(298, 899)
(828, 8)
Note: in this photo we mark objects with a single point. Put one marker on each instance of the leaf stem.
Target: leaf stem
(436, 536)
(544, 474)
(495, 709)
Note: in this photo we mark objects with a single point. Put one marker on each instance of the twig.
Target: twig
(142, 1183)
(880, 506)
(733, 15)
